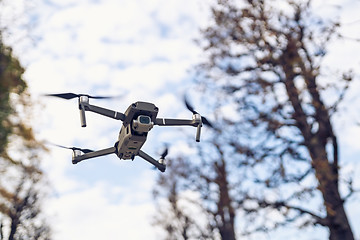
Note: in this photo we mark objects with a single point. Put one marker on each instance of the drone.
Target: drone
(138, 119)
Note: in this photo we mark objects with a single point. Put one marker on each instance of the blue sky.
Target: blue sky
(143, 50)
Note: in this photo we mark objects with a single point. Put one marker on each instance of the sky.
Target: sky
(142, 50)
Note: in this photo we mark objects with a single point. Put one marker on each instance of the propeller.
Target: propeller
(84, 150)
(82, 109)
(191, 109)
(164, 153)
(162, 156)
(68, 96)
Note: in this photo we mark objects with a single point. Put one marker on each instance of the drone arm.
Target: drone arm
(99, 153)
(195, 122)
(103, 111)
(151, 160)
(176, 122)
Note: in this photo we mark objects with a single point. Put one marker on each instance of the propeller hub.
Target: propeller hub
(196, 117)
(84, 99)
(76, 153)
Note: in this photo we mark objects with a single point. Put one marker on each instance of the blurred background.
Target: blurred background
(278, 80)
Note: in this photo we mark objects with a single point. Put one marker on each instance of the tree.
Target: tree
(267, 62)
(21, 179)
(196, 197)
(177, 221)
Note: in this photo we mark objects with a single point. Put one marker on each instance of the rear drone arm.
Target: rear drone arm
(78, 156)
(195, 122)
(85, 106)
(158, 164)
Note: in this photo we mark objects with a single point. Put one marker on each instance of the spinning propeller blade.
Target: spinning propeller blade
(84, 150)
(191, 109)
(63, 95)
(68, 96)
(188, 106)
(164, 153)
(162, 156)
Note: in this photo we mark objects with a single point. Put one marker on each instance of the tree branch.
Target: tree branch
(282, 204)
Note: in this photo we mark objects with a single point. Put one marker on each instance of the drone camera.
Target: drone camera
(143, 123)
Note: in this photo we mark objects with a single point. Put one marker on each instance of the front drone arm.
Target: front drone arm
(105, 112)
(195, 122)
(175, 122)
(85, 106)
(78, 157)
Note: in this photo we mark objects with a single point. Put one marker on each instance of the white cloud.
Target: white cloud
(137, 48)
(89, 214)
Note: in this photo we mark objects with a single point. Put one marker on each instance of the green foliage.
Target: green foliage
(21, 179)
(11, 82)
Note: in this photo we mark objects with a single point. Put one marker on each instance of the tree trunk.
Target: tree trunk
(1, 231)
(326, 173)
(13, 227)
(224, 204)
(336, 218)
